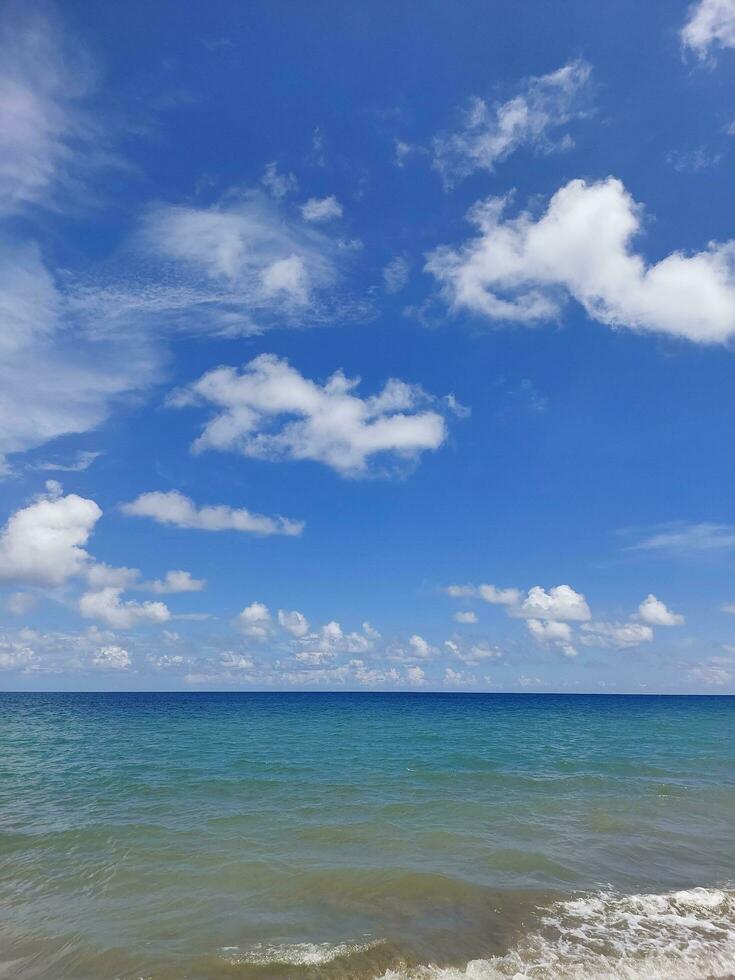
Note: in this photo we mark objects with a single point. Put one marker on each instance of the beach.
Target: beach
(366, 835)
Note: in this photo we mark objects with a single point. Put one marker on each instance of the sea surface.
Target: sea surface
(435, 837)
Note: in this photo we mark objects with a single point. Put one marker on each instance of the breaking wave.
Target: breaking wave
(683, 935)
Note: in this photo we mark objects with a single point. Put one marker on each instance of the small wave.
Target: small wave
(294, 954)
(684, 935)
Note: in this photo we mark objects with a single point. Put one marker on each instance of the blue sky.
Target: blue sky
(378, 346)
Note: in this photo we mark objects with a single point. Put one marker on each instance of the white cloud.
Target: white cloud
(465, 617)
(19, 603)
(81, 462)
(315, 657)
(403, 151)
(453, 677)
(236, 661)
(57, 375)
(43, 544)
(475, 654)
(711, 24)
(107, 606)
(461, 591)
(415, 676)
(233, 268)
(327, 423)
(619, 635)
(549, 631)
(419, 647)
(278, 185)
(175, 581)
(101, 576)
(560, 603)
(321, 209)
(46, 134)
(499, 597)
(557, 633)
(16, 655)
(682, 538)
(111, 658)
(293, 622)
(490, 133)
(655, 613)
(490, 593)
(716, 672)
(174, 508)
(395, 274)
(521, 269)
(255, 620)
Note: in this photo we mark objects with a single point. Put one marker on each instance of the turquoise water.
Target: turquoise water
(367, 835)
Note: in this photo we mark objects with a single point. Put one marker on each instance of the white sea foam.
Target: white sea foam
(294, 954)
(685, 935)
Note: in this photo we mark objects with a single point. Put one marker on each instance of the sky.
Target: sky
(377, 346)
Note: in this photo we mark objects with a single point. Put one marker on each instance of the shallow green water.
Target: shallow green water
(304, 835)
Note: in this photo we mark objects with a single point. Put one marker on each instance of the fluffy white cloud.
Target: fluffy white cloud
(255, 620)
(107, 606)
(415, 676)
(111, 658)
(560, 603)
(270, 411)
(174, 508)
(619, 635)
(293, 622)
(175, 581)
(556, 633)
(419, 647)
(490, 133)
(43, 544)
(318, 209)
(498, 597)
(453, 677)
(711, 24)
(521, 269)
(655, 613)
(465, 617)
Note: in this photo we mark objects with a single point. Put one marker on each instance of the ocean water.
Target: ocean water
(434, 837)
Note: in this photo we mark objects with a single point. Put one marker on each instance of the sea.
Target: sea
(197, 836)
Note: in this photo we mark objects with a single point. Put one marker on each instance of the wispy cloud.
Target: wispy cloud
(236, 267)
(50, 139)
(684, 538)
(175, 509)
(491, 132)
